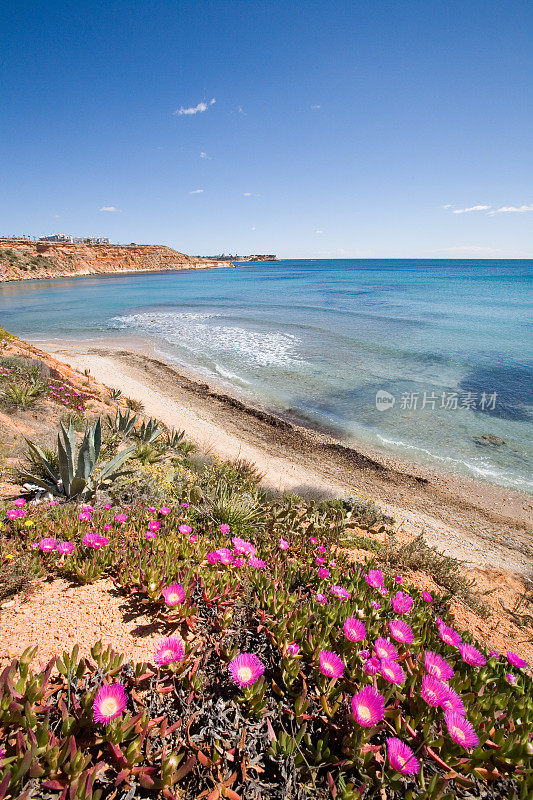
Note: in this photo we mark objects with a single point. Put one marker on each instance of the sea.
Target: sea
(427, 360)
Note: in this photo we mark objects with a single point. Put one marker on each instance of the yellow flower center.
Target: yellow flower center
(108, 707)
(459, 734)
(364, 713)
(245, 674)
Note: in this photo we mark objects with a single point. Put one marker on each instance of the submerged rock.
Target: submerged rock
(489, 440)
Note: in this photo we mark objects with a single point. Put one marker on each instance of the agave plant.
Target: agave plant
(77, 475)
(134, 405)
(21, 395)
(123, 423)
(149, 431)
(146, 454)
(175, 438)
(115, 394)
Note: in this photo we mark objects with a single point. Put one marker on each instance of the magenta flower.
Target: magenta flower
(245, 669)
(185, 505)
(84, 516)
(283, 544)
(168, 651)
(398, 579)
(174, 594)
(108, 527)
(427, 597)
(461, 730)
(471, 655)
(193, 538)
(150, 535)
(242, 547)
(383, 591)
(293, 649)
(510, 678)
(451, 701)
(164, 510)
(121, 518)
(368, 707)
(516, 661)
(449, 635)
(321, 598)
(94, 540)
(108, 506)
(432, 691)
(87, 508)
(437, 666)
(371, 666)
(385, 649)
(374, 578)
(319, 561)
(47, 545)
(185, 529)
(401, 757)
(19, 502)
(330, 664)
(65, 548)
(354, 629)
(392, 672)
(364, 654)
(322, 549)
(226, 556)
(339, 591)
(323, 573)
(224, 528)
(313, 539)
(239, 561)
(109, 703)
(257, 563)
(375, 604)
(401, 631)
(402, 602)
(213, 557)
(151, 509)
(16, 513)
(154, 525)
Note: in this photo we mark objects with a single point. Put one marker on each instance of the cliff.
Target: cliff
(24, 260)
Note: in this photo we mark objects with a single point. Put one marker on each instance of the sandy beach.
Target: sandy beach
(484, 525)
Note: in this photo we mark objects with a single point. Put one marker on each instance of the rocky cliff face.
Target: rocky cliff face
(23, 260)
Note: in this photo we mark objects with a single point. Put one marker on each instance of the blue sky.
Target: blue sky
(315, 129)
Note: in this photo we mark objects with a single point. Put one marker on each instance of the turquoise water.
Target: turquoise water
(322, 338)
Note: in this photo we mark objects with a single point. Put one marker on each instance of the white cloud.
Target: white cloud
(254, 228)
(200, 108)
(512, 210)
(247, 194)
(448, 205)
(471, 208)
(111, 209)
(241, 111)
(319, 231)
(315, 107)
(196, 191)
(204, 155)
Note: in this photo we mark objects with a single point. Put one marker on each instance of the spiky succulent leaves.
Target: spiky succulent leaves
(38, 456)
(149, 431)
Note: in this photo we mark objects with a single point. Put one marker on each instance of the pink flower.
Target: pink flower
(47, 545)
(516, 661)
(461, 730)
(401, 757)
(185, 529)
(193, 538)
(16, 513)
(94, 540)
(243, 547)
(319, 561)
(449, 636)
(283, 544)
(338, 591)
(368, 707)
(402, 602)
(257, 563)
(371, 666)
(213, 557)
(226, 556)
(471, 655)
(323, 573)
(385, 649)
(164, 510)
(322, 549)
(239, 561)
(65, 548)
(185, 505)
(374, 578)
(511, 678)
(224, 528)
(330, 664)
(245, 669)
(293, 649)
(451, 701)
(398, 579)
(121, 518)
(108, 506)
(392, 672)
(109, 703)
(90, 509)
(375, 604)
(383, 591)
(364, 654)
(84, 516)
(150, 535)
(168, 651)
(321, 598)
(154, 525)
(19, 502)
(437, 666)
(151, 509)
(427, 597)
(313, 539)
(174, 594)
(108, 527)
(432, 691)
(354, 629)
(401, 631)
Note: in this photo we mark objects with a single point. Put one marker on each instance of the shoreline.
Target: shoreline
(112, 273)
(480, 523)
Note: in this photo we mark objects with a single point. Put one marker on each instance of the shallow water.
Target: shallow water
(448, 341)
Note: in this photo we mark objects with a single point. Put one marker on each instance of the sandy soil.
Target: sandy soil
(484, 525)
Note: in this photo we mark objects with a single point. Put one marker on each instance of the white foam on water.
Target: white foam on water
(193, 332)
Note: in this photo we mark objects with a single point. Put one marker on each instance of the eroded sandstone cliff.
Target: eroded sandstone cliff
(24, 260)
